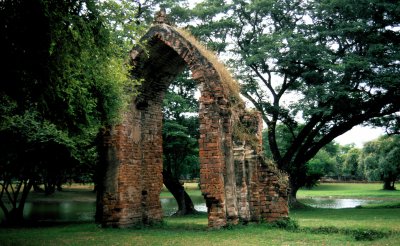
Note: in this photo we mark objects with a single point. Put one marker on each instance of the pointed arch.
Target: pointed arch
(236, 183)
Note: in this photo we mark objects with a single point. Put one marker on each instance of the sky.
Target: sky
(360, 135)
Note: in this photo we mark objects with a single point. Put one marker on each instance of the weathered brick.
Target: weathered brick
(233, 176)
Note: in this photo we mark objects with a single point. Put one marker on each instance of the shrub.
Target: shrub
(326, 230)
(287, 224)
(368, 235)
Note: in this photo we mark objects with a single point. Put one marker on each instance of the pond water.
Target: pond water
(337, 203)
(60, 211)
(84, 211)
(170, 206)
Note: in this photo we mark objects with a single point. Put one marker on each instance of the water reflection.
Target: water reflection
(170, 206)
(60, 211)
(336, 203)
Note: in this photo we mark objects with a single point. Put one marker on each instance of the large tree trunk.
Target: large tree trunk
(49, 188)
(185, 204)
(37, 188)
(388, 184)
(293, 188)
(14, 216)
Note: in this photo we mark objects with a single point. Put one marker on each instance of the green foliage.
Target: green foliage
(333, 64)
(324, 163)
(287, 224)
(181, 128)
(66, 78)
(283, 138)
(127, 22)
(180, 102)
(380, 160)
(351, 163)
(358, 234)
(141, 13)
(176, 137)
(368, 235)
(326, 230)
(180, 151)
(211, 28)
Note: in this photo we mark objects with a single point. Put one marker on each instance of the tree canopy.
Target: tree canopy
(380, 160)
(63, 80)
(317, 67)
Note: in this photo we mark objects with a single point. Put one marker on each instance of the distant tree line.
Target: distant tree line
(377, 160)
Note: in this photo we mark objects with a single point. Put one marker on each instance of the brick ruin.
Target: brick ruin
(237, 183)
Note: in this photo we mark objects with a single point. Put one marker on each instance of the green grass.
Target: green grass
(393, 204)
(317, 226)
(354, 190)
(378, 219)
(191, 188)
(315, 229)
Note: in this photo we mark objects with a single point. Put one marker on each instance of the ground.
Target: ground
(354, 226)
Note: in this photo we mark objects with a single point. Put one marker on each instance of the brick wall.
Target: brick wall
(234, 179)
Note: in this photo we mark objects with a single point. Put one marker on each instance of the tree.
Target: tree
(340, 159)
(31, 152)
(380, 160)
(351, 164)
(322, 164)
(125, 13)
(62, 82)
(178, 148)
(330, 64)
(180, 139)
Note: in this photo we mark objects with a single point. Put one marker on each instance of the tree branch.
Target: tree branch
(266, 82)
(299, 140)
(257, 105)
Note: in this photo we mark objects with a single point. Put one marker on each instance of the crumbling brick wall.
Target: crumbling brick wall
(262, 189)
(235, 182)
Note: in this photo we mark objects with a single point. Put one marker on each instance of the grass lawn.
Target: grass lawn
(191, 188)
(353, 190)
(317, 227)
(74, 192)
(362, 218)
(192, 231)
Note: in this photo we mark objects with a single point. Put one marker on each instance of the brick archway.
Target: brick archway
(236, 182)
